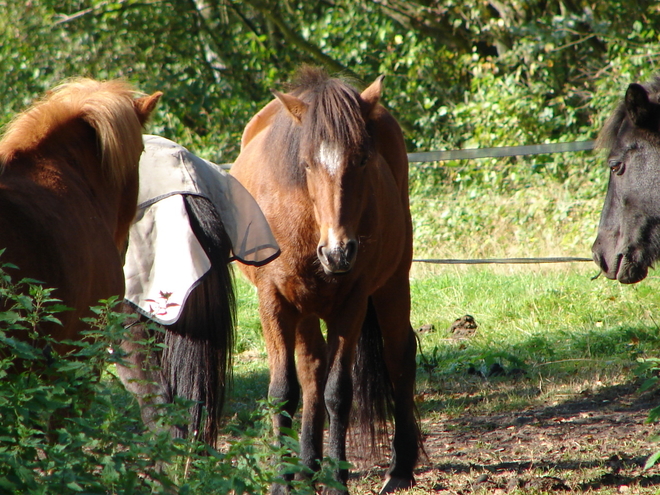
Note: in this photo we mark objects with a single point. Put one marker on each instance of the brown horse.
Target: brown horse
(328, 167)
(68, 191)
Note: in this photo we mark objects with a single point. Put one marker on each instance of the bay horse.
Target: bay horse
(328, 166)
(628, 241)
(68, 192)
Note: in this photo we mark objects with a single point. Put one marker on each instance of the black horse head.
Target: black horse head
(628, 241)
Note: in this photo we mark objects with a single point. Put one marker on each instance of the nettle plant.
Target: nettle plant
(61, 429)
(67, 425)
(648, 370)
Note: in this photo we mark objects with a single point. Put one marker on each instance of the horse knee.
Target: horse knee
(338, 395)
(285, 390)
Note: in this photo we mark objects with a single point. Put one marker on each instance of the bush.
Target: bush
(68, 426)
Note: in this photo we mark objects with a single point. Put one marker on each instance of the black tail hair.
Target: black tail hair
(196, 360)
(373, 398)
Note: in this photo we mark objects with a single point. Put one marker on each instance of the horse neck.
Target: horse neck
(73, 156)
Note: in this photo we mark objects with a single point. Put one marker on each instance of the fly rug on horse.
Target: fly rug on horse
(193, 220)
(628, 241)
(68, 192)
(329, 169)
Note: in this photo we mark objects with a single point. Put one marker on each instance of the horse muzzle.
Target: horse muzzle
(339, 259)
(630, 272)
(621, 267)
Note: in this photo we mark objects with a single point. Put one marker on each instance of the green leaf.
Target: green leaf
(650, 462)
(74, 486)
(648, 384)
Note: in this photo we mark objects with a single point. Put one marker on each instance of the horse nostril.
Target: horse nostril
(596, 257)
(351, 250)
(320, 253)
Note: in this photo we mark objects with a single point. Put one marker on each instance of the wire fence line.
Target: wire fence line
(496, 152)
(503, 261)
(501, 152)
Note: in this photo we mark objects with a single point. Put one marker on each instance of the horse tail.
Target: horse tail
(373, 396)
(196, 360)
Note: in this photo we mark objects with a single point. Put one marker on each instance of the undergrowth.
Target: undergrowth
(516, 208)
(68, 426)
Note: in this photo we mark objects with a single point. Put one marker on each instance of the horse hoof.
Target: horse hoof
(392, 484)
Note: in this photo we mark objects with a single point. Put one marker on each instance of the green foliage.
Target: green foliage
(459, 74)
(60, 430)
(647, 370)
(68, 426)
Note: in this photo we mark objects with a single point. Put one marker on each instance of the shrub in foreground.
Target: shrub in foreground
(68, 426)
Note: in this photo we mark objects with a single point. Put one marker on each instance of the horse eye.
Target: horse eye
(616, 167)
(305, 165)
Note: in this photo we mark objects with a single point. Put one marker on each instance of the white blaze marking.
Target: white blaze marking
(333, 242)
(330, 157)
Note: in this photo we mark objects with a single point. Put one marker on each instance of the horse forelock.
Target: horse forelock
(106, 106)
(333, 125)
(610, 130)
(335, 117)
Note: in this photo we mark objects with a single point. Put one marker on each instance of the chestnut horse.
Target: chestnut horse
(328, 167)
(68, 192)
(628, 241)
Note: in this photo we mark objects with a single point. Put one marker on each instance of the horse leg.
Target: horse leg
(141, 376)
(392, 305)
(311, 368)
(279, 320)
(343, 333)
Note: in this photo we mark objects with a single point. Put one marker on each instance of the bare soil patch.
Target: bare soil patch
(593, 441)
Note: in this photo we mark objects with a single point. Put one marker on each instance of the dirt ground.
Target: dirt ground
(595, 441)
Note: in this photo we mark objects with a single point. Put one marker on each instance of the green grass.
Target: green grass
(520, 311)
(500, 208)
(555, 321)
(556, 333)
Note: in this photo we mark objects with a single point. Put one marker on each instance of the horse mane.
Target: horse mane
(610, 130)
(334, 114)
(106, 106)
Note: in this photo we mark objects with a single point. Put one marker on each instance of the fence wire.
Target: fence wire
(502, 261)
(497, 152)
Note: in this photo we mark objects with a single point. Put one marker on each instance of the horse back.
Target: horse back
(389, 141)
(260, 121)
(392, 194)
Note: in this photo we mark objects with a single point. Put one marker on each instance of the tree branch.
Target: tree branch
(301, 43)
(63, 18)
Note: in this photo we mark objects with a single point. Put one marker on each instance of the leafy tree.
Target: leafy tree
(536, 69)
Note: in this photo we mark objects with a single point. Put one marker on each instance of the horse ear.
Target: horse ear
(371, 95)
(145, 105)
(294, 105)
(259, 122)
(642, 111)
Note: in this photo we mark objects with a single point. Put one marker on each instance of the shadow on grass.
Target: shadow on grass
(567, 407)
(248, 388)
(455, 367)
